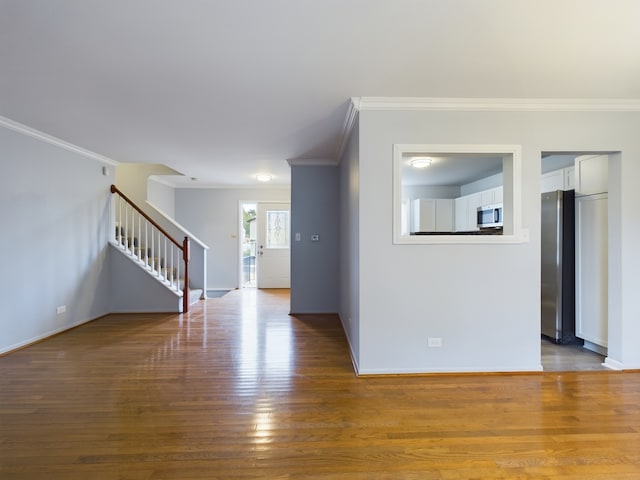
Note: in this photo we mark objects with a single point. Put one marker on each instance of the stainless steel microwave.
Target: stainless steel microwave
(490, 216)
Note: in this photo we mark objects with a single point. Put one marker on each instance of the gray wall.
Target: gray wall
(140, 292)
(314, 265)
(55, 216)
(212, 214)
(349, 268)
(412, 192)
(408, 293)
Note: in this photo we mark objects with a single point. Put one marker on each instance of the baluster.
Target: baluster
(171, 264)
(126, 227)
(178, 262)
(119, 221)
(139, 237)
(165, 263)
(146, 243)
(160, 259)
(153, 250)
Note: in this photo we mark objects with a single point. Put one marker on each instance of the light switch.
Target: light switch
(297, 237)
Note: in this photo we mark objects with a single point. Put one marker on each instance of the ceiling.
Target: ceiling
(451, 169)
(221, 90)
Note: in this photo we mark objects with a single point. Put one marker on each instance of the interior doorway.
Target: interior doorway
(585, 346)
(248, 233)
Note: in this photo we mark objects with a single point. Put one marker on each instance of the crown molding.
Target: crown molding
(44, 137)
(312, 162)
(349, 122)
(499, 104)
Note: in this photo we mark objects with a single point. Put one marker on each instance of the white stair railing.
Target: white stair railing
(150, 245)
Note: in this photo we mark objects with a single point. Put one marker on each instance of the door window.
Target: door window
(277, 229)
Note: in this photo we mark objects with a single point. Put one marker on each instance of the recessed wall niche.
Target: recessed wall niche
(439, 189)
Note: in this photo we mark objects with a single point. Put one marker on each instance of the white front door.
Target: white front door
(273, 245)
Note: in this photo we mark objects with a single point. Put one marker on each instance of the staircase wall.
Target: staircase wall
(135, 290)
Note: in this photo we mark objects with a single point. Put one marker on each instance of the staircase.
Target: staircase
(156, 253)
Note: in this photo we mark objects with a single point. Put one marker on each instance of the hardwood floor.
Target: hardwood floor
(237, 389)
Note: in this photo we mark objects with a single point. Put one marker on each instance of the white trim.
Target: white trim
(163, 181)
(499, 104)
(513, 233)
(445, 370)
(347, 126)
(613, 364)
(31, 132)
(44, 336)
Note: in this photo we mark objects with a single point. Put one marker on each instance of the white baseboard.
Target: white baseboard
(44, 336)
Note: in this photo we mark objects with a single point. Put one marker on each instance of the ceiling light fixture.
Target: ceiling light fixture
(420, 162)
(263, 177)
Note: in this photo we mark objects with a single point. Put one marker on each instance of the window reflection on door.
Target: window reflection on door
(277, 229)
(273, 245)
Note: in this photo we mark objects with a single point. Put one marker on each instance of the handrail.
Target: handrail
(115, 189)
(184, 246)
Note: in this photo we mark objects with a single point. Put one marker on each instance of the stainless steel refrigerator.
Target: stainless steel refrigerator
(558, 266)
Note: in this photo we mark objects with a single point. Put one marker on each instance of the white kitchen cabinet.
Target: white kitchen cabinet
(562, 179)
(433, 215)
(569, 178)
(591, 174)
(473, 202)
(592, 269)
(552, 181)
(466, 212)
(461, 216)
(444, 215)
(498, 194)
(491, 196)
(424, 215)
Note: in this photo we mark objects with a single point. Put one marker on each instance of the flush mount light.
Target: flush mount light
(263, 177)
(420, 162)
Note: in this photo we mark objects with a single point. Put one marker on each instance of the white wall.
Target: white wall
(314, 265)
(411, 292)
(212, 214)
(162, 195)
(53, 247)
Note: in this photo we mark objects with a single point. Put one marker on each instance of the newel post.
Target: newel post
(185, 289)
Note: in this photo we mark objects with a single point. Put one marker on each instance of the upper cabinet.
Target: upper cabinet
(592, 174)
(562, 179)
(491, 196)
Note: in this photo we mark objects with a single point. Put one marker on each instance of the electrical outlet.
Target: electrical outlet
(315, 237)
(434, 342)
(61, 309)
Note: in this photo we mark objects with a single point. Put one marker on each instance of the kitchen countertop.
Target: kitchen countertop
(485, 231)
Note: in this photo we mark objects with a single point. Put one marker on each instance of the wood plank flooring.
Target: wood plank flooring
(238, 389)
